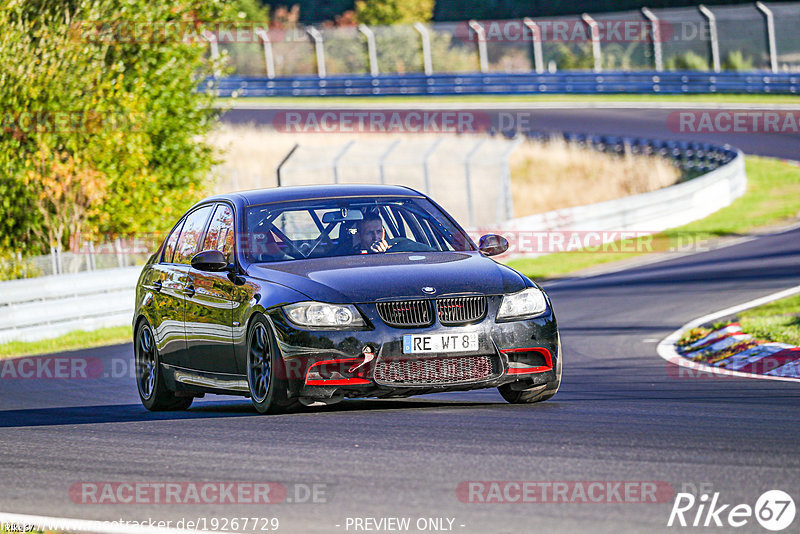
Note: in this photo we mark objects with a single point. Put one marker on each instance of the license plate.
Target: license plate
(439, 343)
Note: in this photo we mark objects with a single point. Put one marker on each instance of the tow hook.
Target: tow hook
(368, 357)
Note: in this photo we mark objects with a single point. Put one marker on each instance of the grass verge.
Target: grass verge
(547, 98)
(777, 321)
(73, 341)
(772, 197)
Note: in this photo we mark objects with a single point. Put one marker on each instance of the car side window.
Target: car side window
(189, 241)
(172, 241)
(220, 232)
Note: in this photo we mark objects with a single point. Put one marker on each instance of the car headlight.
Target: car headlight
(322, 315)
(527, 303)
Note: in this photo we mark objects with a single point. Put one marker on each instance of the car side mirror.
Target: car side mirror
(210, 260)
(492, 245)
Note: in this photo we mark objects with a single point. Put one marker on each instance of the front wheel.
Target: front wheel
(268, 391)
(149, 378)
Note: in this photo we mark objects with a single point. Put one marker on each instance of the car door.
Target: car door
(209, 308)
(182, 287)
(166, 281)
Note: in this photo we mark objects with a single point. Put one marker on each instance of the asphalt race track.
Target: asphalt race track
(623, 414)
(649, 122)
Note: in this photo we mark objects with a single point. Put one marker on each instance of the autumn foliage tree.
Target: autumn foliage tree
(66, 194)
(109, 122)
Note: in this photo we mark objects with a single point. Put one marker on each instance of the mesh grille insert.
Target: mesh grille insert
(433, 371)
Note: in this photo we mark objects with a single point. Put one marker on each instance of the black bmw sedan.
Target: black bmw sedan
(308, 295)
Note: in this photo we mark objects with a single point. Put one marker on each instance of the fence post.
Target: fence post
(279, 168)
(426, 157)
(269, 58)
(773, 49)
(425, 35)
(372, 49)
(536, 37)
(468, 180)
(483, 56)
(53, 259)
(597, 54)
(90, 249)
(507, 198)
(655, 26)
(336, 159)
(712, 31)
(214, 45)
(319, 48)
(118, 250)
(383, 159)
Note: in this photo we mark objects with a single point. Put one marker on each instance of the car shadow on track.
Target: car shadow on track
(128, 413)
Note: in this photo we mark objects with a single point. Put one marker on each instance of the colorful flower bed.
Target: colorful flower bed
(727, 347)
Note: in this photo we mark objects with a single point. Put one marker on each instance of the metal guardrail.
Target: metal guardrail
(50, 306)
(678, 82)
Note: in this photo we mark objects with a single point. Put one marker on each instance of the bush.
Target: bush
(686, 61)
(136, 117)
(15, 267)
(567, 58)
(385, 12)
(737, 61)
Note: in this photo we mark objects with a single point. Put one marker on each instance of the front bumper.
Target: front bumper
(325, 364)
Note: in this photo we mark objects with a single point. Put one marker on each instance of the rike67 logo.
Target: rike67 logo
(774, 510)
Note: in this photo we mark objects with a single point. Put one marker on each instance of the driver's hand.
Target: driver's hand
(379, 246)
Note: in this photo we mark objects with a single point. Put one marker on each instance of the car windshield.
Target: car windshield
(347, 226)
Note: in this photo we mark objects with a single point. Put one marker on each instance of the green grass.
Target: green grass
(772, 197)
(777, 321)
(546, 98)
(73, 341)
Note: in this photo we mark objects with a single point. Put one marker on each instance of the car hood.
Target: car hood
(371, 277)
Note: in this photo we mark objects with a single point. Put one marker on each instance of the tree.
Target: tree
(116, 110)
(68, 194)
(386, 12)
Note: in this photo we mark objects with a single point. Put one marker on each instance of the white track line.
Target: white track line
(39, 522)
(666, 349)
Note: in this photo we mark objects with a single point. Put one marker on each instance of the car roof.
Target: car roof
(307, 192)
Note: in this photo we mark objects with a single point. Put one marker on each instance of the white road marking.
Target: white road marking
(40, 522)
(666, 349)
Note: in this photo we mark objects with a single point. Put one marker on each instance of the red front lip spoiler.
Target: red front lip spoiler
(358, 381)
(344, 381)
(524, 370)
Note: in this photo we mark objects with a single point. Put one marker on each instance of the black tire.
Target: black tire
(535, 394)
(266, 375)
(149, 379)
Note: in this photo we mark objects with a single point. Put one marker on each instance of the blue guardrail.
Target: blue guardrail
(512, 84)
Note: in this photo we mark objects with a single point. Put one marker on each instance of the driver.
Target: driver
(370, 235)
